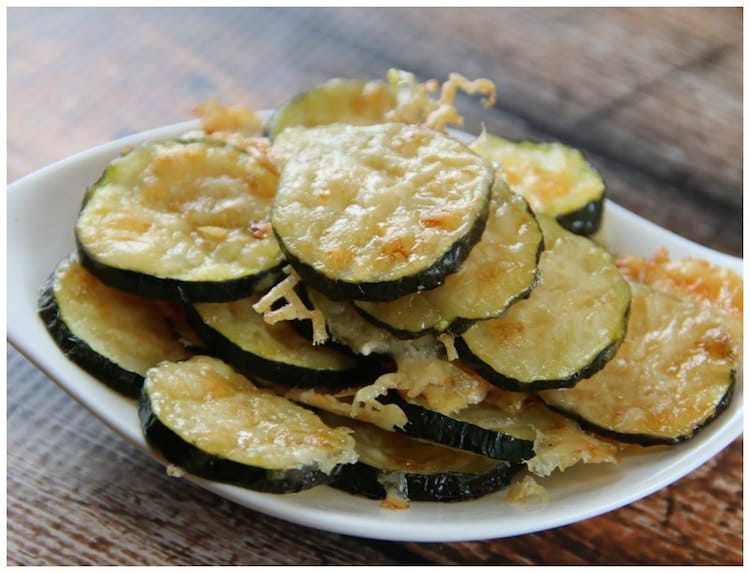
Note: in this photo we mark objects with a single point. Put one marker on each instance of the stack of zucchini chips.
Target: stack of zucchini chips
(363, 300)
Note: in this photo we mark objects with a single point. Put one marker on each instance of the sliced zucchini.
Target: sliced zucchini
(115, 336)
(358, 102)
(214, 423)
(569, 327)
(457, 432)
(347, 326)
(673, 374)
(182, 220)
(176, 315)
(377, 212)
(274, 352)
(559, 442)
(501, 269)
(391, 464)
(555, 179)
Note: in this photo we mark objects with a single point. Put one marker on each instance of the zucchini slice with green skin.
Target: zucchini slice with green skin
(115, 336)
(346, 326)
(674, 373)
(416, 421)
(276, 353)
(501, 269)
(182, 220)
(455, 432)
(569, 328)
(358, 102)
(214, 423)
(390, 463)
(555, 179)
(378, 212)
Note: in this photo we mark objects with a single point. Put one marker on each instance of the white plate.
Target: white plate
(41, 211)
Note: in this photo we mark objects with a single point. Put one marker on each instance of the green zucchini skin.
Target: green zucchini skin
(78, 351)
(456, 327)
(441, 429)
(364, 480)
(514, 385)
(202, 464)
(175, 290)
(584, 221)
(255, 366)
(430, 278)
(648, 439)
(581, 218)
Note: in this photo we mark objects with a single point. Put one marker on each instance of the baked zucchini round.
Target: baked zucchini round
(377, 212)
(568, 328)
(412, 470)
(358, 102)
(501, 269)
(555, 179)
(457, 432)
(674, 373)
(182, 220)
(113, 335)
(276, 353)
(214, 423)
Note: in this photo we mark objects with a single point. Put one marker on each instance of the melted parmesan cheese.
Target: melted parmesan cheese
(294, 309)
(182, 211)
(691, 278)
(559, 442)
(376, 203)
(669, 376)
(554, 179)
(441, 385)
(414, 104)
(212, 407)
(527, 490)
(217, 117)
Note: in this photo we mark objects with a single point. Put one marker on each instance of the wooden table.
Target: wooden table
(652, 96)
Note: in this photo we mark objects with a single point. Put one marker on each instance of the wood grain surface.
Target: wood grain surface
(652, 96)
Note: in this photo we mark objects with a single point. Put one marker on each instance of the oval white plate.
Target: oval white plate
(42, 208)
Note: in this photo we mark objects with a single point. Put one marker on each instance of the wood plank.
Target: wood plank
(569, 69)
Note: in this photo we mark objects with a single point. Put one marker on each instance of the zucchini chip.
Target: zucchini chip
(346, 326)
(673, 374)
(501, 268)
(214, 423)
(115, 336)
(568, 328)
(276, 353)
(559, 442)
(459, 432)
(378, 212)
(416, 419)
(357, 102)
(555, 179)
(182, 220)
(392, 465)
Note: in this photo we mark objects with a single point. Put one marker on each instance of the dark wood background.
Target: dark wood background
(652, 96)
